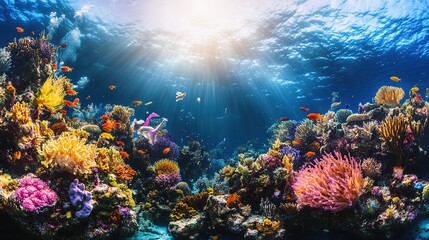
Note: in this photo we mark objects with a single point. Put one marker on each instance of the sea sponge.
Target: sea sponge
(357, 117)
(70, 153)
(165, 166)
(52, 93)
(389, 95)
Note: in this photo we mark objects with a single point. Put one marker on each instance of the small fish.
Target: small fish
(124, 154)
(198, 99)
(141, 152)
(111, 87)
(335, 104)
(276, 193)
(68, 103)
(120, 143)
(346, 105)
(32, 33)
(76, 101)
(105, 117)
(310, 154)
(88, 97)
(314, 116)
(68, 214)
(282, 119)
(107, 136)
(66, 68)
(17, 155)
(136, 103)
(180, 96)
(64, 45)
(395, 79)
(71, 92)
(20, 29)
(166, 150)
(63, 112)
(54, 66)
(304, 109)
(415, 89)
(148, 103)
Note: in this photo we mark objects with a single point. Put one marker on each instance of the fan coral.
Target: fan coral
(35, 194)
(371, 167)
(342, 115)
(389, 95)
(393, 132)
(52, 93)
(165, 166)
(4, 60)
(164, 181)
(124, 172)
(331, 183)
(70, 153)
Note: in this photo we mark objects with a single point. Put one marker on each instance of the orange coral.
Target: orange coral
(124, 172)
(389, 95)
(233, 200)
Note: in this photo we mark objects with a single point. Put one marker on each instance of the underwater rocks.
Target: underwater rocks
(188, 228)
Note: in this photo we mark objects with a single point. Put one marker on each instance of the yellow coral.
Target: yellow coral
(20, 113)
(70, 153)
(228, 171)
(393, 132)
(165, 166)
(268, 227)
(52, 93)
(389, 95)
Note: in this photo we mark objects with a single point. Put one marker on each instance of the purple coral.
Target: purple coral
(77, 196)
(162, 143)
(35, 194)
(290, 151)
(167, 180)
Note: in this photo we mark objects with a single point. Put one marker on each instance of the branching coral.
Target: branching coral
(332, 183)
(52, 93)
(393, 132)
(165, 166)
(70, 153)
(389, 95)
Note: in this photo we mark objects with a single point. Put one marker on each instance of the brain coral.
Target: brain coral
(70, 153)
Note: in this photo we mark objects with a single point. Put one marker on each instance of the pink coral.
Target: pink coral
(331, 183)
(35, 194)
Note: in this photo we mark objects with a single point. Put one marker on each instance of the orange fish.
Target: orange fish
(304, 109)
(120, 143)
(314, 116)
(124, 154)
(111, 87)
(17, 155)
(296, 142)
(141, 152)
(310, 154)
(54, 66)
(166, 150)
(71, 92)
(66, 68)
(136, 103)
(20, 29)
(63, 112)
(105, 117)
(76, 101)
(68, 103)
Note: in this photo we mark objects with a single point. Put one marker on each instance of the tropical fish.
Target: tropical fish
(109, 125)
(76, 101)
(296, 142)
(68, 103)
(141, 152)
(111, 87)
(136, 103)
(68, 214)
(335, 104)
(120, 143)
(314, 116)
(395, 79)
(20, 29)
(71, 92)
(105, 117)
(66, 68)
(64, 45)
(148, 103)
(88, 97)
(124, 154)
(17, 155)
(282, 119)
(310, 154)
(166, 150)
(107, 136)
(415, 89)
(63, 112)
(54, 66)
(32, 33)
(304, 109)
(180, 96)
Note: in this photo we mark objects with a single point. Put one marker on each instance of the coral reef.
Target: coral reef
(34, 194)
(389, 95)
(78, 196)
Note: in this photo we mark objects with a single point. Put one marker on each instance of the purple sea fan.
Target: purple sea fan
(290, 151)
(35, 194)
(167, 180)
(332, 183)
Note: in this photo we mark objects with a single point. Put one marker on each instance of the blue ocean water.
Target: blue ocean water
(264, 64)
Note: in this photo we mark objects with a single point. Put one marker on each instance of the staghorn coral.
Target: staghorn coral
(34, 194)
(389, 95)
(332, 183)
(4, 60)
(393, 132)
(52, 93)
(165, 166)
(70, 154)
(371, 167)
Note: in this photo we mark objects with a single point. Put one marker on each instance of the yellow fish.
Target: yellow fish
(395, 79)
(415, 89)
(107, 136)
(148, 103)
(68, 214)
